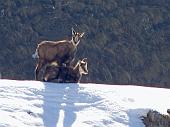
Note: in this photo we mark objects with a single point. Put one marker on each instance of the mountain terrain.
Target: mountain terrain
(41, 104)
(126, 42)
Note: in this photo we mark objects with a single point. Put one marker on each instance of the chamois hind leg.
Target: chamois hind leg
(39, 65)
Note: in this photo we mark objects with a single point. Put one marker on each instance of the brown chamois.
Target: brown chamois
(65, 74)
(61, 51)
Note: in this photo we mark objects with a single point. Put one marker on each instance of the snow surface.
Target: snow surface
(39, 104)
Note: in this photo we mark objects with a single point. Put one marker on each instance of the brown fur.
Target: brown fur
(61, 51)
(66, 74)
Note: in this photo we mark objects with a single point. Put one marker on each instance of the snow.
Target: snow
(39, 104)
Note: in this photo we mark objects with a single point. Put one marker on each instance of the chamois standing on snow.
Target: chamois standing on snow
(66, 74)
(61, 51)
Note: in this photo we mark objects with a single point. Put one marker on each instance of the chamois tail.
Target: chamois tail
(35, 55)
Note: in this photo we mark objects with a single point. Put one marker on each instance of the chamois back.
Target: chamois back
(61, 51)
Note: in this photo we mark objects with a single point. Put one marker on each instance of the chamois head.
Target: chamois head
(83, 66)
(76, 37)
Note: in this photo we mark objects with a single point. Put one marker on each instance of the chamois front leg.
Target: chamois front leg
(40, 64)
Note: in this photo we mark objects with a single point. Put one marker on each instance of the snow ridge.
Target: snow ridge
(39, 104)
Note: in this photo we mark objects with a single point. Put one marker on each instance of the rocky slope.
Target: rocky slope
(126, 42)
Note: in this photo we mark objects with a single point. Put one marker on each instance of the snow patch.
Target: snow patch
(42, 104)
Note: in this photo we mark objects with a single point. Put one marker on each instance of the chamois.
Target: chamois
(65, 74)
(61, 51)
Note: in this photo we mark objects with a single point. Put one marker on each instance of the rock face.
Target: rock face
(126, 42)
(155, 119)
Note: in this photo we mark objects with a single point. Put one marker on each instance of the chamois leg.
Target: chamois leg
(46, 78)
(40, 64)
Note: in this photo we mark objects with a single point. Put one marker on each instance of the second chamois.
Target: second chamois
(65, 74)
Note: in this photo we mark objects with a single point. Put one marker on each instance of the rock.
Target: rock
(155, 119)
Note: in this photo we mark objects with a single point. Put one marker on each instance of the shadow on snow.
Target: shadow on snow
(67, 99)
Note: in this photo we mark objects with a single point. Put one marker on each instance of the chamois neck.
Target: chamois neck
(72, 41)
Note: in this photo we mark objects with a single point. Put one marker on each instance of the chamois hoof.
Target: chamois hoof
(45, 80)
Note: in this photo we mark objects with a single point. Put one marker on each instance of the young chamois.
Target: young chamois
(66, 74)
(61, 51)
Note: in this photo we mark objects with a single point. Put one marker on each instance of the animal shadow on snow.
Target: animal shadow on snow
(135, 116)
(62, 101)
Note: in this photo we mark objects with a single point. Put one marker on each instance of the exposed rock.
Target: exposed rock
(155, 119)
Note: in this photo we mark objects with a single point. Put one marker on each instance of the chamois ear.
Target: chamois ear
(81, 35)
(84, 59)
(79, 61)
(73, 31)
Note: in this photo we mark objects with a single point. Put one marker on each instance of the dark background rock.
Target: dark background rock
(156, 119)
(126, 42)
